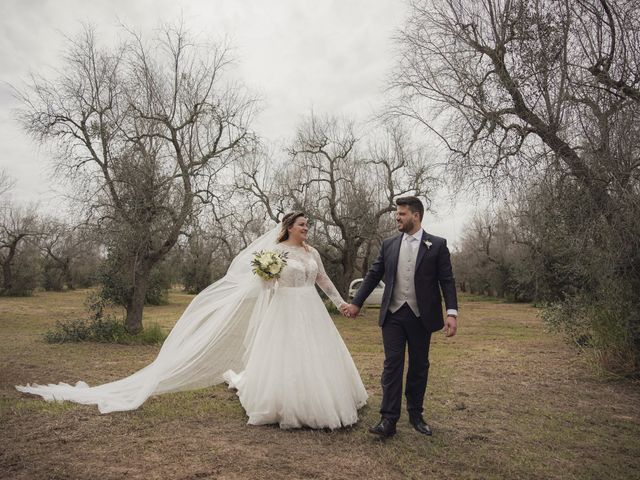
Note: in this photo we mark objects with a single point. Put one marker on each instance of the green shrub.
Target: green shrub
(605, 328)
(101, 327)
(152, 335)
(76, 330)
(107, 330)
(85, 330)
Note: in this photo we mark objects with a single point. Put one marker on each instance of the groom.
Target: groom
(415, 266)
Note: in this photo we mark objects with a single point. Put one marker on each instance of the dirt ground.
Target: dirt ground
(505, 399)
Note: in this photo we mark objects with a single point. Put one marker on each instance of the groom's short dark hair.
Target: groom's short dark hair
(413, 203)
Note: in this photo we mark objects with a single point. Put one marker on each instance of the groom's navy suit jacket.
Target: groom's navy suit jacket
(433, 273)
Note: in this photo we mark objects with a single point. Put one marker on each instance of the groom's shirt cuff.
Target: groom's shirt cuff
(452, 311)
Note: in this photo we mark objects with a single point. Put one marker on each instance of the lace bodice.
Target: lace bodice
(304, 269)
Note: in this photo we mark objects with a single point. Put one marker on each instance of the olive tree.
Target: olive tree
(541, 95)
(345, 183)
(142, 130)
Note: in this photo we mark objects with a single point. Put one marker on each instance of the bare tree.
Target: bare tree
(346, 188)
(214, 238)
(608, 32)
(542, 96)
(6, 183)
(503, 82)
(492, 260)
(17, 226)
(523, 90)
(259, 177)
(69, 252)
(143, 130)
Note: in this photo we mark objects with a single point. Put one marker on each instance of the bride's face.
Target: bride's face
(299, 230)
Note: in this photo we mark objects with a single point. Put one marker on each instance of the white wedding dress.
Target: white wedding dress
(293, 367)
(299, 371)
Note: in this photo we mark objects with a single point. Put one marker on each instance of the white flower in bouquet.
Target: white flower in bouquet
(275, 269)
(268, 264)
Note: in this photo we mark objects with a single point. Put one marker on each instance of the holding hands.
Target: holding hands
(349, 310)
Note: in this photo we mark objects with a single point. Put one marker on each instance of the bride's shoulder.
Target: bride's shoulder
(305, 249)
(311, 249)
(283, 247)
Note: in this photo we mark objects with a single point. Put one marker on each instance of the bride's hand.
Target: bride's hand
(349, 310)
(345, 309)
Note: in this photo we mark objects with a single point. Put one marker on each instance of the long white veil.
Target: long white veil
(213, 335)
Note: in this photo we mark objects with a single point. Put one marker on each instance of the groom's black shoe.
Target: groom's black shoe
(420, 426)
(385, 428)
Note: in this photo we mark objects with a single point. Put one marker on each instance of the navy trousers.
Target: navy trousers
(399, 330)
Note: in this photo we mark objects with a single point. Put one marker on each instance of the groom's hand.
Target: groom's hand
(450, 326)
(352, 310)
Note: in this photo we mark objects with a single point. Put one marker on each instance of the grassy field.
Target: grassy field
(505, 400)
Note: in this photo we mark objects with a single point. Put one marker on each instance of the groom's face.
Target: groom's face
(406, 220)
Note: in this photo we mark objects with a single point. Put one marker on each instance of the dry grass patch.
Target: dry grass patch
(505, 400)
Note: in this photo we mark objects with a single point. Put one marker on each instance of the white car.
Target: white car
(376, 295)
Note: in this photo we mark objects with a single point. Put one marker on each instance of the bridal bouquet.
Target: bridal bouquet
(268, 264)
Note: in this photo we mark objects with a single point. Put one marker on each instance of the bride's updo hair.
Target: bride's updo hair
(287, 222)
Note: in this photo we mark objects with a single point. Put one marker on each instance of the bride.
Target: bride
(272, 341)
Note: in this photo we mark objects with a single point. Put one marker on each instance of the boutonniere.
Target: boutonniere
(427, 244)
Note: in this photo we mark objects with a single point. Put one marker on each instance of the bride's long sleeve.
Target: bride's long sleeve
(325, 283)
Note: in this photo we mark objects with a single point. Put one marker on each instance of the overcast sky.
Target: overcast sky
(329, 55)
